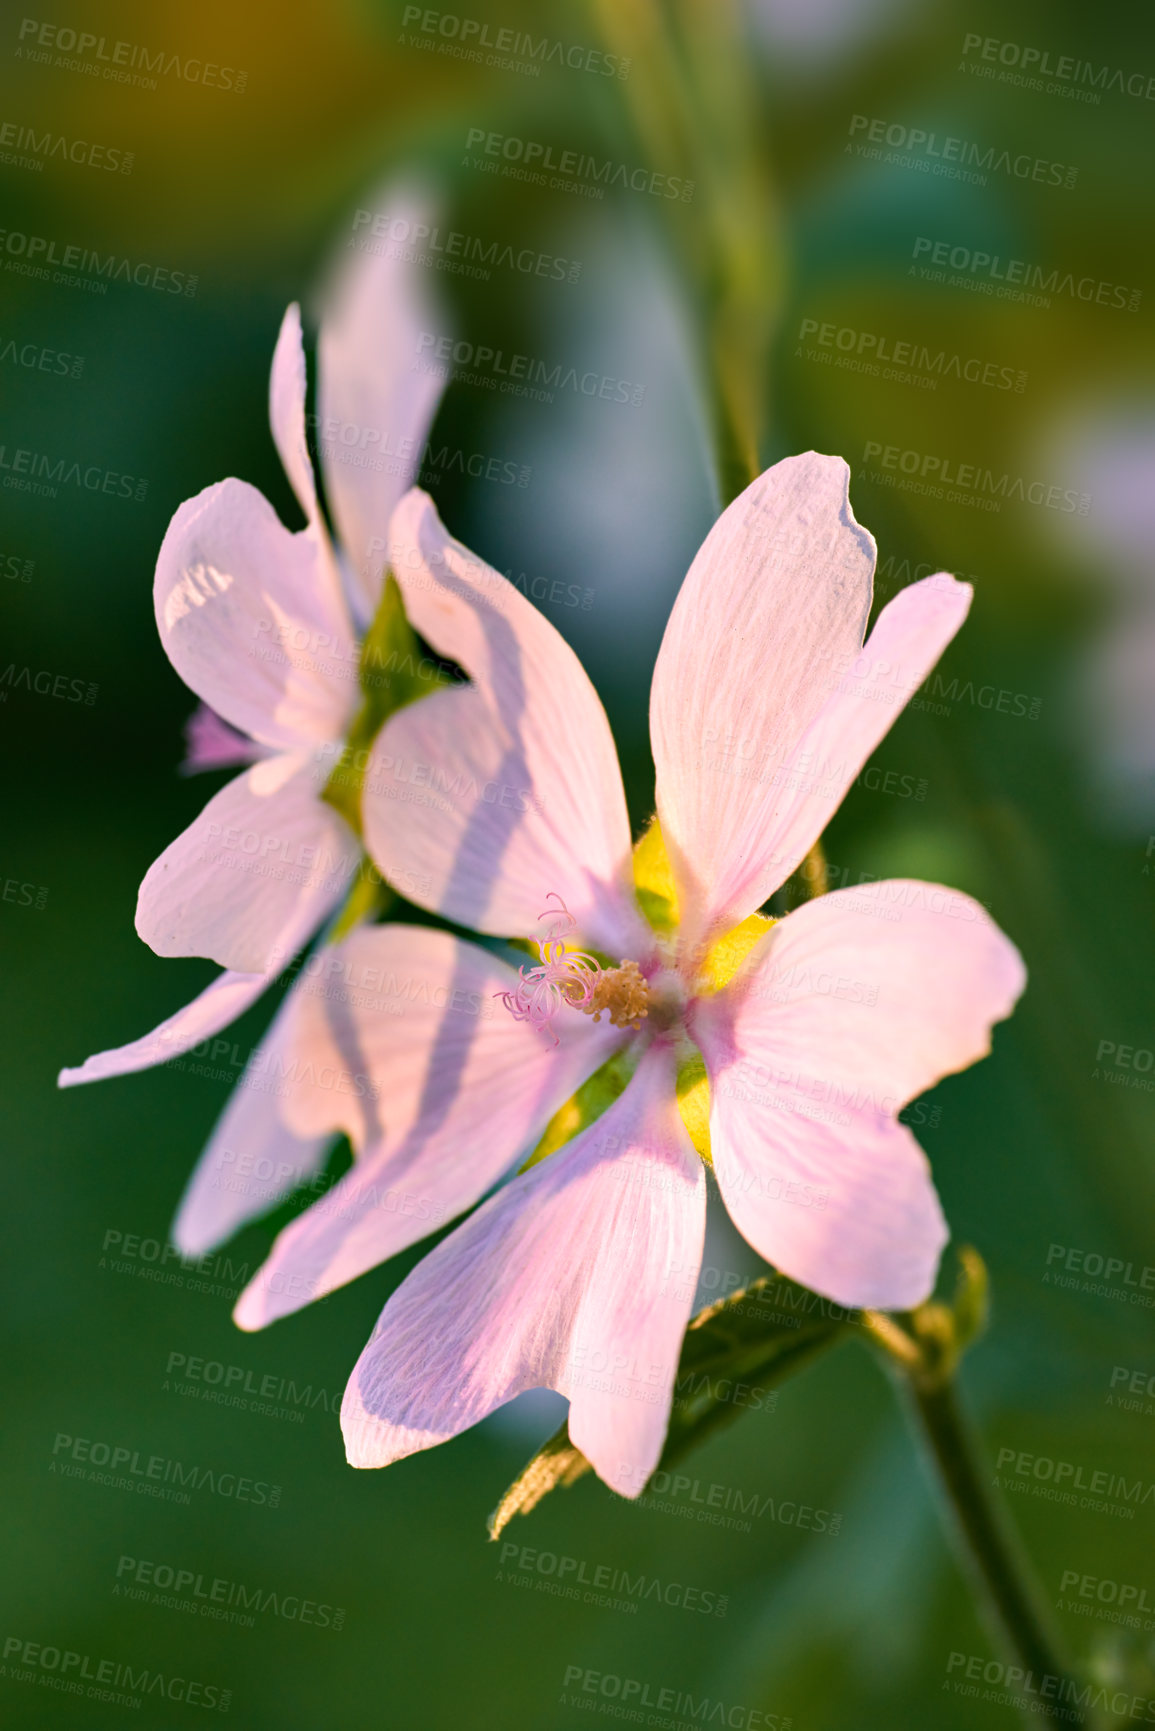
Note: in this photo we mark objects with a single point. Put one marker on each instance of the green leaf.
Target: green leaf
(751, 1341)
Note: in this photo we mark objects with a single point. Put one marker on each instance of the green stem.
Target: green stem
(989, 1548)
(692, 108)
(992, 1553)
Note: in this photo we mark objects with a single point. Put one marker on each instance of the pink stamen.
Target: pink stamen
(564, 977)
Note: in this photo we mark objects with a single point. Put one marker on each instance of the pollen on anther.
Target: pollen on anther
(624, 992)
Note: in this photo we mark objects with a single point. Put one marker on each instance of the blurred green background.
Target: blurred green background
(1046, 1144)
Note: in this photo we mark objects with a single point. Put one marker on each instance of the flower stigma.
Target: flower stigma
(563, 977)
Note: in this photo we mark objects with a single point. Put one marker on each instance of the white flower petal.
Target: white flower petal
(778, 593)
(847, 1009)
(228, 997)
(252, 1160)
(253, 875)
(562, 1280)
(287, 383)
(252, 618)
(793, 805)
(492, 796)
(376, 404)
(401, 1043)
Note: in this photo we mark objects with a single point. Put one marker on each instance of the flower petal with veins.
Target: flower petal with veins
(562, 1280)
(777, 595)
(442, 1093)
(807, 1081)
(264, 859)
(523, 790)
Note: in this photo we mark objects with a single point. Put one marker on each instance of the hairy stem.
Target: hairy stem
(989, 1548)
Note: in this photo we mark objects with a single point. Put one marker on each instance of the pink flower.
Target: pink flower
(263, 624)
(805, 1037)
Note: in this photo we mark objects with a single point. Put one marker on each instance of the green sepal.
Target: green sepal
(390, 678)
(971, 1300)
(556, 1463)
(596, 1093)
(927, 1343)
(368, 898)
(738, 1339)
